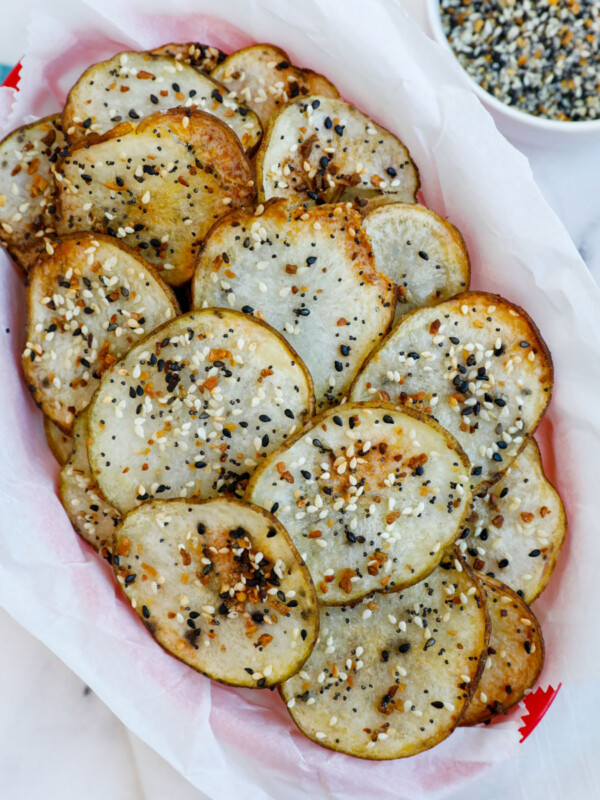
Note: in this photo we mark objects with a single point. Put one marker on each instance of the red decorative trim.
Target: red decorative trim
(537, 704)
(13, 77)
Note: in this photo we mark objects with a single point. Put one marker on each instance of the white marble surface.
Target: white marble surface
(57, 740)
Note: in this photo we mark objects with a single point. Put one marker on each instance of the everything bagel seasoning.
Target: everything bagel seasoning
(542, 57)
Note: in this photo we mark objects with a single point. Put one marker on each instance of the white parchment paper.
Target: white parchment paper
(232, 743)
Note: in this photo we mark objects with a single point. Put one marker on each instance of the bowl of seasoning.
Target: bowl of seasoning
(535, 64)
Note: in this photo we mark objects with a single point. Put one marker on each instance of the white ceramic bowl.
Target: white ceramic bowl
(510, 120)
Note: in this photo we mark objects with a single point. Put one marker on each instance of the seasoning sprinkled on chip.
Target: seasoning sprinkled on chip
(322, 149)
(295, 267)
(391, 676)
(191, 426)
(133, 85)
(470, 373)
(386, 490)
(220, 586)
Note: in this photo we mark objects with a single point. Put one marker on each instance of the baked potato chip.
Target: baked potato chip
(422, 254)
(318, 148)
(370, 495)
(263, 77)
(87, 304)
(193, 408)
(517, 527)
(131, 86)
(477, 364)
(309, 273)
(158, 186)
(59, 442)
(202, 57)
(220, 586)
(391, 675)
(27, 193)
(93, 518)
(515, 654)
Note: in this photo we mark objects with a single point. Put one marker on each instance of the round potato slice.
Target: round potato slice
(517, 527)
(478, 365)
(220, 586)
(263, 77)
(59, 442)
(424, 255)
(318, 147)
(87, 303)
(159, 187)
(202, 57)
(27, 193)
(191, 410)
(131, 86)
(371, 496)
(515, 654)
(390, 676)
(308, 272)
(93, 518)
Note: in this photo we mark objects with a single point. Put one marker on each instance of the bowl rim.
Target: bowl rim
(542, 123)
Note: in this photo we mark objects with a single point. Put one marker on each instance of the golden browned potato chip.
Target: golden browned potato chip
(158, 186)
(220, 586)
(87, 304)
(391, 675)
(371, 496)
(27, 193)
(515, 655)
(424, 255)
(131, 86)
(94, 519)
(263, 76)
(59, 442)
(310, 274)
(193, 408)
(517, 527)
(200, 56)
(320, 147)
(476, 363)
